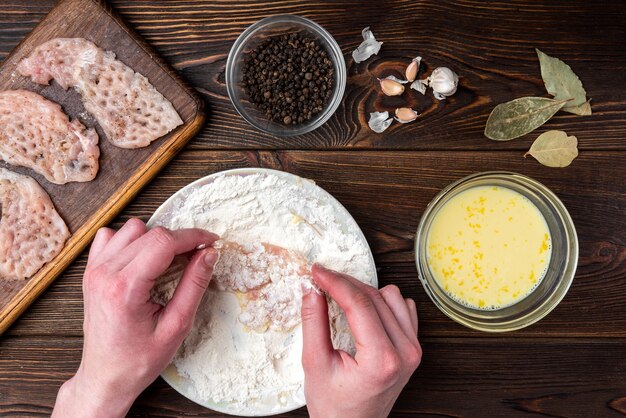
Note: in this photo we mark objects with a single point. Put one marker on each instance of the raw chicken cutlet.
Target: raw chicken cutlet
(35, 133)
(131, 112)
(266, 279)
(31, 231)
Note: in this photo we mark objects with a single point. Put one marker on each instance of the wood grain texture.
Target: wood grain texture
(87, 206)
(386, 193)
(511, 384)
(571, 363)
(490, 45)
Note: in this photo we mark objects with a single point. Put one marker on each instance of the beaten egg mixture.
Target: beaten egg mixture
(488, 247)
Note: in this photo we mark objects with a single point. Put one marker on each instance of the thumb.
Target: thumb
(195, 279)
(317, 349)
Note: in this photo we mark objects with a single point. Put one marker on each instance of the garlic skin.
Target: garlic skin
(412, 69)
(420, 85)
(443, 81)
(396, 79)
(406, 115)
(370, 46)
(391, 87)
(379, 121)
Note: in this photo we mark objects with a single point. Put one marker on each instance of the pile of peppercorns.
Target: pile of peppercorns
(289, 78)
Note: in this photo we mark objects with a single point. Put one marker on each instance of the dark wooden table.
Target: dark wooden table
(572, 363)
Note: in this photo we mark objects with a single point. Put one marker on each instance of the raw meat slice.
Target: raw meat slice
(268, 280)
(31, 231)
(129, 109)
(35, 133)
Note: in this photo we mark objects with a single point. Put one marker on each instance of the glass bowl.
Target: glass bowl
(550, 290)
(253, 36)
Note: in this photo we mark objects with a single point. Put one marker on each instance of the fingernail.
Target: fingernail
(309, 285)
(306, 289)
(321, 268)
(211, 256)
(318, 266)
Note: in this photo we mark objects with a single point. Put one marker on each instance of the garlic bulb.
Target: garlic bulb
(444, 82)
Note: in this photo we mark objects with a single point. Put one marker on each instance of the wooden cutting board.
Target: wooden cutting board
(87, 206)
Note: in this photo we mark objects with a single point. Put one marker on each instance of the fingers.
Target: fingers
(361, 313)
(400, 309)
(317, 350)
(398, 337)
(131, 231)
(195, 279)
(102, 238)
(413, 310)
(151, 254)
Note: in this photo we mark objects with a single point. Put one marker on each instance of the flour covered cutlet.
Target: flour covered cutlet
(35, 133)
(31, 231)
(131, 112)
(268, 280)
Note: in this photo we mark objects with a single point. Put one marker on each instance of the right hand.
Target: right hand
(384, 326)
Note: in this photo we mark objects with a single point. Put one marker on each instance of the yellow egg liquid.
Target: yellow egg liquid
(488, 247)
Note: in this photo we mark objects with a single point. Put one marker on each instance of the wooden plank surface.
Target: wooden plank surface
(438, 388)
(490, 46)
(87, 206)
(403, 184)
(570, 364)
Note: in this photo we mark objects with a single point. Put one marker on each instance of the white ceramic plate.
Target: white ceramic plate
(167, 210)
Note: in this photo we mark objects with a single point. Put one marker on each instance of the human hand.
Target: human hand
(384, 326)
(129, 339)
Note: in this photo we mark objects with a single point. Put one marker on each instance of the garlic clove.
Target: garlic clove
(406, 115)
(379, 121)
(444, 82)
(391, 87)
(370, 46)
(420, 85)
(413, 68)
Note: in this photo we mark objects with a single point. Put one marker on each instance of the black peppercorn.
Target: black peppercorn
(289, 78)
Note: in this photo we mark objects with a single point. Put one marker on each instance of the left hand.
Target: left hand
(129, 339)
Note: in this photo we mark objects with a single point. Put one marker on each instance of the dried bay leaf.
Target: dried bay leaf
(554, 149)
(520, 116)
(583, 110)
(562, 83)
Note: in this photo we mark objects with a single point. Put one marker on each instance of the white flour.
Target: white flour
(265, 279)
(225, 363)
